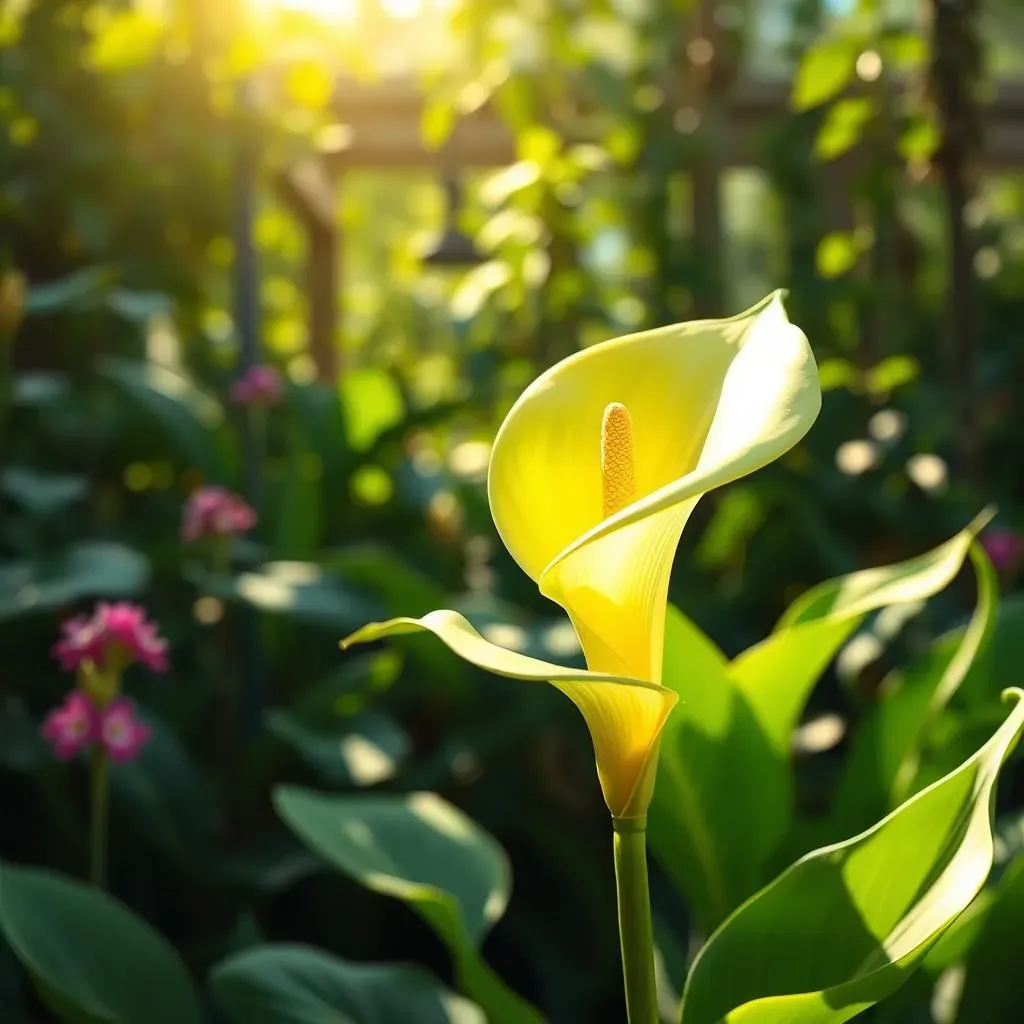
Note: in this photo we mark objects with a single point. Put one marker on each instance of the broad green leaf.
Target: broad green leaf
(290, 984)
(723, 803)
(362, 751)
(91, 958)
(777, 674)
(843, 126)
(87, 569)
(717, 776)
(885, 754)
(825, 70)
(422, 850)
(183, 412)
(300, 591)
(843, 927)
(43, 494)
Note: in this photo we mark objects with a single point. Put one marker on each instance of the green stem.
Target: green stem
(99, 790)
(635, 930)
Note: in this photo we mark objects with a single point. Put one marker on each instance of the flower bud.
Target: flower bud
(12, 301)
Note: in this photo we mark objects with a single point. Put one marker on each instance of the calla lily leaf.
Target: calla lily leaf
(291, 984)
(421, 850)
(625, 716)
(724, 798)
(777, 674)
(845, 925)
(706, 817)
(882, 765)
(710, 401)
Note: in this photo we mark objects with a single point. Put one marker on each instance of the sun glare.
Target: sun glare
(329, 10)
(345, 10)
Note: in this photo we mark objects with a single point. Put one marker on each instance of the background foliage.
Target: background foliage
(867, 195)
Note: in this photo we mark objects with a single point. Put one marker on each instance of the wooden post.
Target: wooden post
(311, 193)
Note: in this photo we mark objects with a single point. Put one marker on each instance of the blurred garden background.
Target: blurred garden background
(406, 210)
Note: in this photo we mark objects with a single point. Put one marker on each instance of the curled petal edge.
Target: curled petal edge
(625, 716)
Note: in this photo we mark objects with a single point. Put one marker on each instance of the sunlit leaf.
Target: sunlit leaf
(843, 126)
(885, 753)
(422, 850)
(825, 70)
(837, 254)
(723, 802)
(372, 403)
(844, 926)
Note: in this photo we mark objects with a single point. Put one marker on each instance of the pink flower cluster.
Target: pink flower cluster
(120, 630)
(78, 723)
(1005, 547)
(100, 646)
(259, 385)
(214, 511)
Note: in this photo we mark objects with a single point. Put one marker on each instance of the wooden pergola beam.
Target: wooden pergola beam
(383, 128)
(382, 131)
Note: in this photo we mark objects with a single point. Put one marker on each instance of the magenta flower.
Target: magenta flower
(213, 511)
(122, 734)
(73, 726)
(1003, 546)
(118, 633)
(259, 385)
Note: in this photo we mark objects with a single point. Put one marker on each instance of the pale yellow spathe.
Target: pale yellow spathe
(704, 403)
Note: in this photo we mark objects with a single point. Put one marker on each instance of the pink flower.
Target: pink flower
(259, 385)
(120, 731)
(121, 630)
(73, 726)
(1003, 546)
(213, 511)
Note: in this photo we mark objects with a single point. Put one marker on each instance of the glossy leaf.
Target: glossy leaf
(290, 984)
(716, 763)
(777, 674)
(423, 851)
(90, 957)
(724, 798)
(843, 927)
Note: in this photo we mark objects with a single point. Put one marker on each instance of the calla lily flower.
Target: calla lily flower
(593, 476)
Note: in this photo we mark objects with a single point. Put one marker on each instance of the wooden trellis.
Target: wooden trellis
(382, 130)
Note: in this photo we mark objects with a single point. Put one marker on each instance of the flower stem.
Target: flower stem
(635, 930)
(99, 790)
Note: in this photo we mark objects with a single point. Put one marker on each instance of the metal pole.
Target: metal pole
(247, 322)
